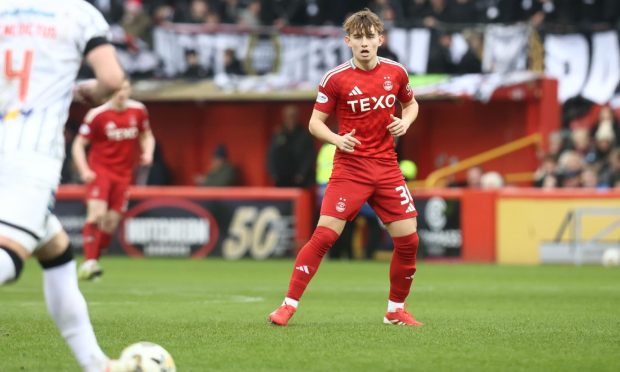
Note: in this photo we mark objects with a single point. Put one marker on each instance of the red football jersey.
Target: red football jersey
(364, 101)
(114, 138)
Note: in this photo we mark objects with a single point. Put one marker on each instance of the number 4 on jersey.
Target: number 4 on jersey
(22, 74)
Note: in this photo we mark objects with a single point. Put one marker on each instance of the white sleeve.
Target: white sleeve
(91, 24)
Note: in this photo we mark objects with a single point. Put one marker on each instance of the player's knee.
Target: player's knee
(14, 260)
(65, 257)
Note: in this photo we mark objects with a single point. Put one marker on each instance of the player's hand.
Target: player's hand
(347, 142)
(146, 159)
(83, 92)
(397, 128)
(88, 176)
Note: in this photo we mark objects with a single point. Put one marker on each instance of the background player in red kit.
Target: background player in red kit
(120, 138)
(363, 93)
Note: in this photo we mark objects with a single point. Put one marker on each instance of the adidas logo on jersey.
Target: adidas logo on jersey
(303, 268)
(355, 91)
(410, 208)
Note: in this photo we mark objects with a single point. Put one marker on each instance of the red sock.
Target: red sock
(104, 240)
(402, 268)
(309, 259)
(89, 241)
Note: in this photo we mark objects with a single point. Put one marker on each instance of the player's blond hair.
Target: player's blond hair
(361, 23)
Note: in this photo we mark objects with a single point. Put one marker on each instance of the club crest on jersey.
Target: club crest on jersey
(341, 205)
(387, 84)
(132, 121)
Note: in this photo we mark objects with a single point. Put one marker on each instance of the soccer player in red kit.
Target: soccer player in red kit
(120, 138)
(363, 93)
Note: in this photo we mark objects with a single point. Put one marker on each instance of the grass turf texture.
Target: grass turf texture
(211, 315)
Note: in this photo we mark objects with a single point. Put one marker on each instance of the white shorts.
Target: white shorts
(27, 186)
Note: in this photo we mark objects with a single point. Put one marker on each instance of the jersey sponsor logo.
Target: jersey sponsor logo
(321, 98)
(372, 103)
(14, 114)
(341, 205)
(387, 84)
(355, 91)
(119, 134)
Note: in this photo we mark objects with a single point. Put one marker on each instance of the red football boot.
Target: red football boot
(282, 315)
(401, 317)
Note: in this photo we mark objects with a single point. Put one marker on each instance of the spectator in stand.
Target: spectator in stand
(504, 11)
(390, 11)
(436, 14)
(136, 23)
(229, 11)
(491, 180)
(607, 175)
(291, 156)
(198, 10)
(461, 12)
(250, 16)
(385, 51)
(471, 62)
(580, 140)
(112, 10)
(474, 177)
(607, 119)
(194, 70)
(570, 165)
(439, 55)
(604, 140)
(415, 12)
(232, 65)
(221, 171)
(589, 177)
(546, 171)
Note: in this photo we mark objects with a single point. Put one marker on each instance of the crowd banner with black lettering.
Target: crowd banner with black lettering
(505, 48)
(297, 57)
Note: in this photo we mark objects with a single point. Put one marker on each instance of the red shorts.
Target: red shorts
(356, 180)
(112, 191)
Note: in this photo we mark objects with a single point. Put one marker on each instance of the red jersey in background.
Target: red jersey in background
(364, 101)
(114, 138)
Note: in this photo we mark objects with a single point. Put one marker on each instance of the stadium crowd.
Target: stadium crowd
(585, 153)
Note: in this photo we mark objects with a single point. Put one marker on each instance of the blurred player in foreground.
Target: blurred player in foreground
(363, 92)
(120, 138)
(42, 44)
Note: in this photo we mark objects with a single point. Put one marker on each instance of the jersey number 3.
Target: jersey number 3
(22, 74)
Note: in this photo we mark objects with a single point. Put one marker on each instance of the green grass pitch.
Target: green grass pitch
(211, 315)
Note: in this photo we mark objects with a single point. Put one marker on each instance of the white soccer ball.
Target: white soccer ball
(611, 257)
(148, 357)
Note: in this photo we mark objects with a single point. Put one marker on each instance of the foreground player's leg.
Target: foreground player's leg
(12, 258)
(402, 272)
(66, 304)
(306, 265)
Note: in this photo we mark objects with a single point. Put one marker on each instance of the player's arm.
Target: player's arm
(109, 75)
(320, 130)
(399, 126)
(78, 152)
(147, 145)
